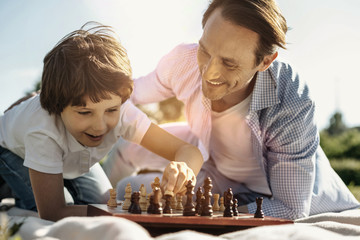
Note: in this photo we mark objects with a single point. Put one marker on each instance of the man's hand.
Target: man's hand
(175, 177)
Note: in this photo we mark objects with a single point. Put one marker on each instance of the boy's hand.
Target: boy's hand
(175, 177)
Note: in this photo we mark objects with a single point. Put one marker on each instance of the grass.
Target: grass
(355, 190)
(349, 170)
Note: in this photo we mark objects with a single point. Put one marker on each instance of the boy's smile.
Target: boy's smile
(90, 123)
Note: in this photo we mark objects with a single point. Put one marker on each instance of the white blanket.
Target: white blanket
(344, 225)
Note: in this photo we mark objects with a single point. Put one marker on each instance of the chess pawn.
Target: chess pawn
(206, 207)
(150, 208)
(228, 202)
(222, 207)
(127, 197)
(168, 195)
(199, 195)
(112, 201)
(259, 212)
(134, 206)
(235, 205)
(173, 202)
(189, 209)
(216, 206)
(179, 205)
(143, 201)
(157, 207)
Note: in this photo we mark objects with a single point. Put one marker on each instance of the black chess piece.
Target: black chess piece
(199, 195)
(189, 209)
(157, 209)
(150, 208)
(228, 203)
(259, 212)
(206, 207)
(167, 207)
(234, 208)
(135, 206)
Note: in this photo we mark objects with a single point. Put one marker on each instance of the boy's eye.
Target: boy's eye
(84, 113)
(112, 110)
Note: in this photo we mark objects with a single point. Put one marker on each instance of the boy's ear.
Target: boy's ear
(268, 59)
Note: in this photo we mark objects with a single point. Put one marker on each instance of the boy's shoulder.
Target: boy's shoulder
(30, 116)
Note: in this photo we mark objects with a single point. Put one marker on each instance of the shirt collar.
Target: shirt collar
(73, 144)
(265, 92)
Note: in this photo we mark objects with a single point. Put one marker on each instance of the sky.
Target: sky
(323, 43)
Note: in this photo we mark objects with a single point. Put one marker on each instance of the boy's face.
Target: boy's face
(89, 124)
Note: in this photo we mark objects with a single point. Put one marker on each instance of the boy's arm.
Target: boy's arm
(186, 159)
(48, 191)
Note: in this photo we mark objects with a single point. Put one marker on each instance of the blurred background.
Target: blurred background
(323, 45)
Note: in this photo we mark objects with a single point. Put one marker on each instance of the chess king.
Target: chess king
(251, 115)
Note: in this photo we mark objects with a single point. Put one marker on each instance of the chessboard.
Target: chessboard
(158, 224)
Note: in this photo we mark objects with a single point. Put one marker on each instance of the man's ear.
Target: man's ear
(268, 59)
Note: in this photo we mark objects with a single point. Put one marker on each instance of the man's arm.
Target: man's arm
(290, 160)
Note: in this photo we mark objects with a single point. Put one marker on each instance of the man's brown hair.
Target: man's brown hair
(89, 63)
(260, 16)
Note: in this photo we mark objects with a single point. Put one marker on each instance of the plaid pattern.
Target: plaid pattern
(284, 133)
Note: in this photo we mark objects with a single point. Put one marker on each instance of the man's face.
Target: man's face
(226, 59)
(89, 124)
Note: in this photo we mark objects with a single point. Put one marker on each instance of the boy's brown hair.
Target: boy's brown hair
(260, 16)
(85, 63)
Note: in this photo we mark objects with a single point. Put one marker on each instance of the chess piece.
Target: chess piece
(127, 197)
(189, 209)
(168, 195)
(150, 208)
(112, 201)
(259, 212)
(155, 183)
(199, 195)
(228, 203)
(157, 209)
(235, 205)
(222, 207)
(135, 206)
(216, 206)
(173, 202)
(206, 207)
(179, 205)
(143, 201)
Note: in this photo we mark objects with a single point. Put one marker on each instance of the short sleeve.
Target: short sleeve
(42, 153)
(133, 122)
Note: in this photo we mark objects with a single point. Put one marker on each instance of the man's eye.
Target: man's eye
(229, 65)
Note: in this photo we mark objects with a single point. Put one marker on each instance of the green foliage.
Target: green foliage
(347, 169)
(355, 190)
(344, 145)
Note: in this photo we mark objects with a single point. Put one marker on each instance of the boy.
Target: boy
(56, 139)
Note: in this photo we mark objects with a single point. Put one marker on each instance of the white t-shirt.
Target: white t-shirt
(232, 150)
(46, 146)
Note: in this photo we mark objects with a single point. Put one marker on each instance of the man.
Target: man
(252, 116)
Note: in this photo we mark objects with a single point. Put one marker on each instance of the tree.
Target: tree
(337, 125)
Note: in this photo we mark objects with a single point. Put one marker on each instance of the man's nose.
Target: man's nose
(211, 70)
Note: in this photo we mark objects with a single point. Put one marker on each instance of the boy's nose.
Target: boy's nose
(99, 125)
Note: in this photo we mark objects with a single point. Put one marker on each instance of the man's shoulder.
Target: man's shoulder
(184, 50)
(288, 81)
